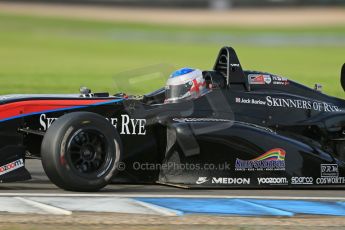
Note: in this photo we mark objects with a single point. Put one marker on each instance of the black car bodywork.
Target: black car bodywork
(252, 129)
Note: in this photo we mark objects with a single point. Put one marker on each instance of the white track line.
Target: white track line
(138, 195)
(46, 208)
(161, 210)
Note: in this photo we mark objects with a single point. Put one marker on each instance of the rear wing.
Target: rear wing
(228, 64)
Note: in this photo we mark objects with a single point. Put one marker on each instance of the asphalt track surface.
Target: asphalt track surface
(40, 185)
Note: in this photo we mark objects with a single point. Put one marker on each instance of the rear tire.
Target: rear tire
(81, 151)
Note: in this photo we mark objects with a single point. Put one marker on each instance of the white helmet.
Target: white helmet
(185, 84)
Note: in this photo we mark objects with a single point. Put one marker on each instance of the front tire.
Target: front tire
(81, 151)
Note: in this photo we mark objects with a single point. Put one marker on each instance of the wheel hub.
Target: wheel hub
(87, 152)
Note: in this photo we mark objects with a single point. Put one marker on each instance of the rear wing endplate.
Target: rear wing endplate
(228, 64)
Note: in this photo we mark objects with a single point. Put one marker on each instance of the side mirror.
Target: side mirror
(84, 90)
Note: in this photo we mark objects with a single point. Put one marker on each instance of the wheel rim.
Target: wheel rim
(87, 151)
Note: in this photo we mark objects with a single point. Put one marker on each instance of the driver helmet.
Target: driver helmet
(185, 84)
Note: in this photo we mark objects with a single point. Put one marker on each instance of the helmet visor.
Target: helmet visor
(178, 91)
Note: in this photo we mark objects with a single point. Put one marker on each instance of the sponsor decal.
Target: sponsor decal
(273, 181)
(233, 181)
(290, 103)
(330, 175)
(46, 122)
(273, 160)
(329, 170)
(259, 79)
(330, 180)
(11, 166)
(224, 180)
(265, 79)
(276, 80)
(201, 180)
(302, 180)
(250, 101)
(127, 125)
(301, 104)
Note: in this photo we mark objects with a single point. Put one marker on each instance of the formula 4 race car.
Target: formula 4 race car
(252, 130)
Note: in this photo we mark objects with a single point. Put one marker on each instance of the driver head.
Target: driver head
(185, 84)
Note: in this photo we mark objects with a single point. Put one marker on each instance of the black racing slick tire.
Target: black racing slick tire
(81, 151)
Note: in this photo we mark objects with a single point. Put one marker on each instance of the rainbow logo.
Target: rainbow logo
(272, 160)
(272, 155)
